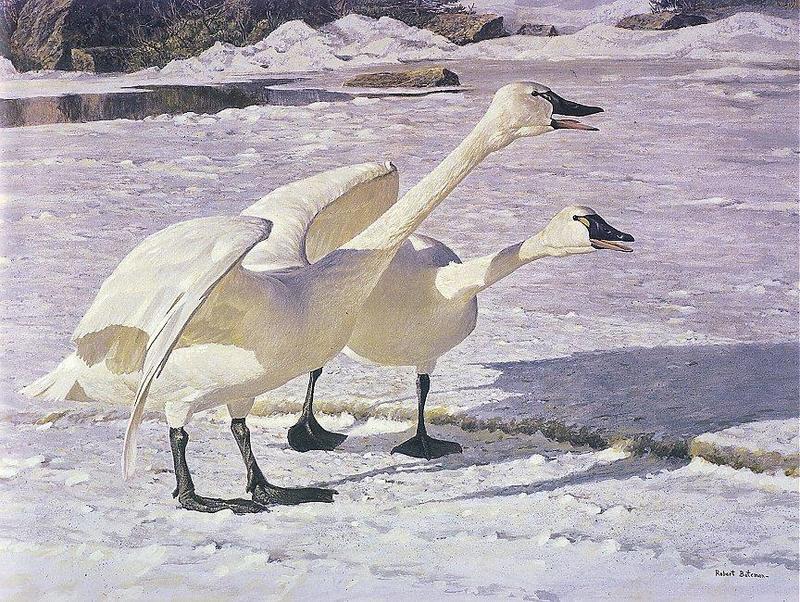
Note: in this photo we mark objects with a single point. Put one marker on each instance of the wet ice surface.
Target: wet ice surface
(698, 163)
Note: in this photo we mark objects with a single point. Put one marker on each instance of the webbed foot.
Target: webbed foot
(265, 494)
(423, 446)
(308, 434)
(197, 503)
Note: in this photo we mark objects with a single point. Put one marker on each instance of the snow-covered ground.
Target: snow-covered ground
(690, 339)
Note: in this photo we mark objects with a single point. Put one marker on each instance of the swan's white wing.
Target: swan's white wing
(132, 302)
(207, 260)
(314, 216)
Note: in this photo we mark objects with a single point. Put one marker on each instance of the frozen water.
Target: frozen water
(696, 331)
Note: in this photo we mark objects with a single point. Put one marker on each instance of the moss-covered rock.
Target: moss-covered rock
(413, 78)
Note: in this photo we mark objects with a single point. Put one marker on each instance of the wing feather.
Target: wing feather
(316, 215)
(229, 240)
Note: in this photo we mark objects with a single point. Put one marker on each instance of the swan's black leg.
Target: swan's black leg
(178, 438)
(263, 492)
(421, 445)
(308, 434)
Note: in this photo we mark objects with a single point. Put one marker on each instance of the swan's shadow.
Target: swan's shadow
(670, 392)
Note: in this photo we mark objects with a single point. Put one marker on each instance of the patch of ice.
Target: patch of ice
(11, 467)
(779, 436)
(374, 426)
(737, 74)
(743, 477)
(75, 477)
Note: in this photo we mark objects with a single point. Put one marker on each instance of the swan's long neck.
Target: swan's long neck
(386, 234)
(465, 280)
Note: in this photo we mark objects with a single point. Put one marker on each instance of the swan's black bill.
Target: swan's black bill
(602, 235)
(562, 106)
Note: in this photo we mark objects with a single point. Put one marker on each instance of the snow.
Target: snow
(691, 339)
(7, 70)
(740, 37)
(764, 445)
(566, 15)
(350, 41)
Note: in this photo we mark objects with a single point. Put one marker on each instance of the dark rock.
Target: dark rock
(47, 30)
(465, 28)
(414, 78)
(101, 59)
(661, 21)
(534, 29)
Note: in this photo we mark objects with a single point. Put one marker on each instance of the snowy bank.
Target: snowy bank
(741, 37)
(350, 41)
(760, 446)
(565, 15)
(355, 41)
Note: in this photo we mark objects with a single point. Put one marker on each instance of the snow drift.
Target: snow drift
(295, 46)
(356, 40)
(6, 68)
(741, 37)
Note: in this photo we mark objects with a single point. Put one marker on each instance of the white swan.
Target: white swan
(426, 303)
(216, 311)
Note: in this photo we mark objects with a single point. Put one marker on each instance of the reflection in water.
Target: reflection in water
(156, 100)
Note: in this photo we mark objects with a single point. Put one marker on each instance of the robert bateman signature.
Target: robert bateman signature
(745, 574)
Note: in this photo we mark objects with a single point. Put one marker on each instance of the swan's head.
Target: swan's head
(577, 229)
(527, 109)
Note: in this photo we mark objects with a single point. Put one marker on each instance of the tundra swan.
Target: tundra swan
(426, 303)
(215, 311)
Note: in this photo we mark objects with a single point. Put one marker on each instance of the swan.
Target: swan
(215, 311)
(426, 303)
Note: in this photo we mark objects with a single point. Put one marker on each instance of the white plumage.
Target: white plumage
(218, 310)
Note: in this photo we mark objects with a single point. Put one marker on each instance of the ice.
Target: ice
(690, 338)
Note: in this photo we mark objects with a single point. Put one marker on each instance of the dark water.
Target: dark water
(155, 100)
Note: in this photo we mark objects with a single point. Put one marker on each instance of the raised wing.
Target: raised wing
(131, 304)
(159, 286)
(314, 216)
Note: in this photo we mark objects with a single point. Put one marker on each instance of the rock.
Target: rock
(465, 28)
(47, 30)
(414, 78)
(534, 29)
(100, 59)
(38, 41)
(660, 21)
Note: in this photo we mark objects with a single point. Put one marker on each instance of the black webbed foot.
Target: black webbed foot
(308, 434)
(265, 494)
(197, 503)
(423, 446)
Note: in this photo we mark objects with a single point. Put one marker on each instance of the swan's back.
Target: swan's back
(406, 321)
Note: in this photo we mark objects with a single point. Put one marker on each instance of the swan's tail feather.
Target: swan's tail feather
(129, 445)
(60, 384)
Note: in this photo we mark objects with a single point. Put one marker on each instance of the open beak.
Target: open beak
(571, 124)
(603, 235)
(610, 244)
(562, 106)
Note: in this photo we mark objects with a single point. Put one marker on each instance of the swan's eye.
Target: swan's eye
(535, 93)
